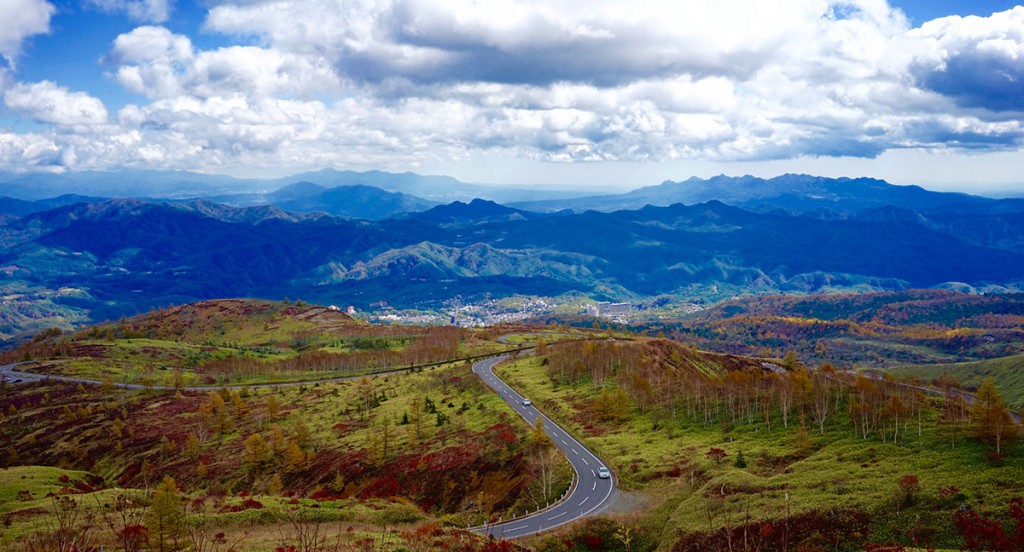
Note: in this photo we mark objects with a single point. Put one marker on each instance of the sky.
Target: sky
(577, 93)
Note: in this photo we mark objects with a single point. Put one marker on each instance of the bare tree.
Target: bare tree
(125, 519)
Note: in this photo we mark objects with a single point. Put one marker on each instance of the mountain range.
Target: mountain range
(184, 185)
(125, 255)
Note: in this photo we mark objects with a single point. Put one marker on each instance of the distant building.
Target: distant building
(604, 309)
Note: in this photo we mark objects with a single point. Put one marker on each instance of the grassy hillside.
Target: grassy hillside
(1007, 372)
(240, 341)
(437, 439)
(380, 462)
(720, 449)
(826, 478)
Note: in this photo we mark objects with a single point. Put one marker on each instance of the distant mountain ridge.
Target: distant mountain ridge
(797, 193)
(127, 255)
(357, 244)
(183, 185)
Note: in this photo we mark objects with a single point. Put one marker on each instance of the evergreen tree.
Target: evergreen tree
(166, 515)
(740, 461)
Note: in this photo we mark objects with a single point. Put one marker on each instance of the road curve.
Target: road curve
(589, 493)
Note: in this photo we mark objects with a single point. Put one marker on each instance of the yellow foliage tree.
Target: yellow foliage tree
(294, 458)
(166, 515)
(990, 420)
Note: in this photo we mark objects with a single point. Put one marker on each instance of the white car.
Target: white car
(604, 473)
(527, 402)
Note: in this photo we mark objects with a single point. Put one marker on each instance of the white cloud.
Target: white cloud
(261, 73)
(22, 19)
(48, 103)
(977, 61)
(152, 61)
(404, 82)
(23, 151)
(148, 11)
(160, 64)
(150, 43)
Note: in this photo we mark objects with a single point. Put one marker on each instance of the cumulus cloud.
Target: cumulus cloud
(525, 41)
(152, 60)
(22, 19)
(28, 150)
(977, 61)
(399, 82)
(48, 103)
(159, 64)
(148, 11)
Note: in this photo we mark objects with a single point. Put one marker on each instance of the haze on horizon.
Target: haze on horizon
(592, 95)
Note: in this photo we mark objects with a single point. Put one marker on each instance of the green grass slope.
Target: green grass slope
(1008, 373)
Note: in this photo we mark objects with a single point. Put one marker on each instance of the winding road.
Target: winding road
(589, 493)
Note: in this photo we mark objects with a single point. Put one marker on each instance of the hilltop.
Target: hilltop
(237, 341)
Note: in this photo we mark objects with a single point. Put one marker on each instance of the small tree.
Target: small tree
(124, 520)
(338, 484)
(276, 485)
(166, 515)
(740, 461)
(256, 451)
(716, 455)
(909, 487)
(990, 420)
(294, 458)
(537, 435)
(272, 407)
(302, 435)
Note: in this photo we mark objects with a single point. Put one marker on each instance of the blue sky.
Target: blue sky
(597, 94)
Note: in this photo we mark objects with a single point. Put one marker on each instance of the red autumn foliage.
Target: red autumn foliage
(324, 495)
(383, 487)
(981, 533)
(252, 504)
(716, 454)
(247, 504)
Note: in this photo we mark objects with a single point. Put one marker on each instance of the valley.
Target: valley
(270, 446)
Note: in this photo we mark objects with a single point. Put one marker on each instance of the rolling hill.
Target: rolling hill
(128, 255)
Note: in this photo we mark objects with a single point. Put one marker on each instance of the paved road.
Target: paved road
(589, 494)
(9, 374)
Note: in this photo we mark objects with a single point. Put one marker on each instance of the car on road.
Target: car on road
(527, 402)
(604, 473)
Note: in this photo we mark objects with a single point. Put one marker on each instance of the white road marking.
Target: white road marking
(556, 432)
